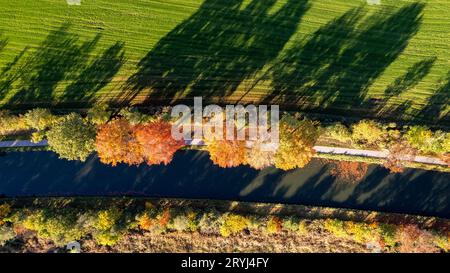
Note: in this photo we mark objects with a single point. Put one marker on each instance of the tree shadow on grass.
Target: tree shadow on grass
(57, 56)
(216, 49)
(96, 75)
(62, 58)
(3, 42)
(343, 58)
(437, 109)
(411, 78)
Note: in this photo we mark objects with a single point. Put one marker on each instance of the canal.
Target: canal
(192, 175)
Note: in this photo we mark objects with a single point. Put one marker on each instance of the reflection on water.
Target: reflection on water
(192, 175)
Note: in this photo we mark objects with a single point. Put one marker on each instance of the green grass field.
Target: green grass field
(332, 56)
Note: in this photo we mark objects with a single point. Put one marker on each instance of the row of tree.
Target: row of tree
(133, 138)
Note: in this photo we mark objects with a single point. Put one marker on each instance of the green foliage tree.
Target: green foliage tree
(99, 114)
(10, 123)
(134, 116)
(40, 119)
(367, 132)
(72, 138)
(339, 132)
(423, 139)
(60, 227)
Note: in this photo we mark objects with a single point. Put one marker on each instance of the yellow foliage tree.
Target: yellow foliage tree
(297, 138)
(259, 158)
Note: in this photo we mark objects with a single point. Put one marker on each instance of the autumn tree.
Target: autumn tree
(10, 123)
(399, 153)
(157, 143)
(39, 118)
(72, 138)
(258, 157)
(367, 132)
(427, 141)
(227, 153)
(297, 138)
(116, 143)
(99, 114)
(348, 171)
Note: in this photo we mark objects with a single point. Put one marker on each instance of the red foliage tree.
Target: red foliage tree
(157, 143)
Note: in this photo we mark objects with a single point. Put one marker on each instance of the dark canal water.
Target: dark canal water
(192, 175)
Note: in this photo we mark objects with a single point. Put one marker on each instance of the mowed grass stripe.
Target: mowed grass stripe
(233, 56)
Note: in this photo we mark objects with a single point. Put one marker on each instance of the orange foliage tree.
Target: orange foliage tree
(227, 153)
(157, 143)
(116, 143)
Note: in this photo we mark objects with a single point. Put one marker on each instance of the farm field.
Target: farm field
(331, 56)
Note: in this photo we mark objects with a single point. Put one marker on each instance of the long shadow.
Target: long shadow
(63, 58)
(3, 42)
(411, 78)
(216, 49)
(435, 109)
(97, 75)
(342, 59)
(57, 56)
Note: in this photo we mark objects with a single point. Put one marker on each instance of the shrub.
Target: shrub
(336, 227)
(58, 227)
(145, 222)
(6, 234)
(274, 225)
(339, 132)
(423, 139)
(414, 240)
(5, 210)
(134, 116)
(107, 219)
(367, 132)
(210, 221)
(39, 119)
(164, 218)
(180, 223)
(232, 224)
(361, 232)
(291, 223)
(38, 136)
(11, 123)
(442, 241)
(388, 234)
(107, 238)
(99, 114)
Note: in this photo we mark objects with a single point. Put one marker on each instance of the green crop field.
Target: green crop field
(332, 56)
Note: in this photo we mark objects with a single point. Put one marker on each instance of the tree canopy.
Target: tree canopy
(72, 138)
